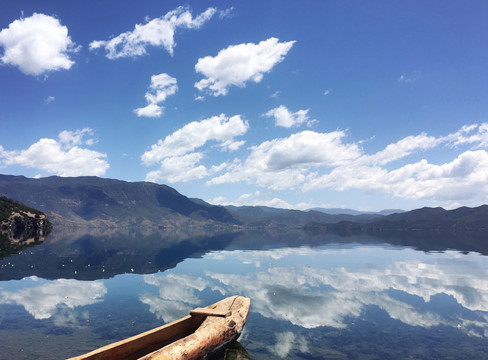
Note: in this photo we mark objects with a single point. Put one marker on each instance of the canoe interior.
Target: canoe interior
(145, 343)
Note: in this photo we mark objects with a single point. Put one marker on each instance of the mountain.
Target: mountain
(262, 216)
(463, 219)
(94, 201)
(339, 211)
(460, 219)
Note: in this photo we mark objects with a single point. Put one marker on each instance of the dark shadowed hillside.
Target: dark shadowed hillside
(95, 201)
(463, 219)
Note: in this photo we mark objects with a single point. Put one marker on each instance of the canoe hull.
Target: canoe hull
(196, 336)
(212, 335)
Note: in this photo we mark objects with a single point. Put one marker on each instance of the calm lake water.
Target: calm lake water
(312, 297)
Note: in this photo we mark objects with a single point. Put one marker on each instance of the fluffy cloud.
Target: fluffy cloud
(239, 64)
(43, 301)
(158, 32)
(466, 177)
(37, 44)
(284, 118)
(63, 157)
(176, 155)
(179, 168)
(284, 163)
(161, 87)
(310, 161)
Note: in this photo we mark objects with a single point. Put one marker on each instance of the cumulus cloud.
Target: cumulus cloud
(176, 156)
(284, 118)
(179, 168)
(37, 45)
(63, 157)
(311, 160)
(238, 64)
(284, 163)
(157, 32)
(161, 87)
(43, 302)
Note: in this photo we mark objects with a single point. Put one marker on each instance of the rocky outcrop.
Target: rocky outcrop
(20, 226)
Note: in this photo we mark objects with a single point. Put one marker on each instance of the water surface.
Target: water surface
(313, 297)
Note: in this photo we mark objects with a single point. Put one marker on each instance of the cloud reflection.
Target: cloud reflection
(313, 296)
(45, 301)
(177, 295)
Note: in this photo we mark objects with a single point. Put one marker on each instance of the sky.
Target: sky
(367, 105)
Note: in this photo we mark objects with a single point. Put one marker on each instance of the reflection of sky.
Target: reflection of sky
(44, 299)
(177, 294)
(308, 287)
(325, 287)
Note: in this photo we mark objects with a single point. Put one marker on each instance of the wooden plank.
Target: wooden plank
(210, 312)
(124, 348)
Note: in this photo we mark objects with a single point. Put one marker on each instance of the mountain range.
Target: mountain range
(107, 203)
(97, 202)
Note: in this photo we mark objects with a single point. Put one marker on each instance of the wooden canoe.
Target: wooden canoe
(203, 332)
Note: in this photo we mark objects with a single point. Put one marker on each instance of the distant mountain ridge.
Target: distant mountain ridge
(463, 219)
(94, 201)
(340, 211)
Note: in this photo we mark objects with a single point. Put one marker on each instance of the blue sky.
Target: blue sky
(359, 104)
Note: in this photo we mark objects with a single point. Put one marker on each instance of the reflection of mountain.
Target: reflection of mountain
(106, 253)
(97, 202)
(92, 256)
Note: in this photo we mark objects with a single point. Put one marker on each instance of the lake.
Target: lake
(312, 296)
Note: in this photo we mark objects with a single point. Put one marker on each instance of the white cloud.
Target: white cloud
(151, 110)
(402, 148)
(472, 134)
(161, 87)
(49, 99)
(311, 161)
(284, 163)
(37, 44)
(63, 157)
(407, 78)
(283, 117)
(196, 134)
(466, 177)
(175, 154)
(179, 168)
(227, 13)
(239, 64)
(43, 301)
(73, 138)
(158, 32)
